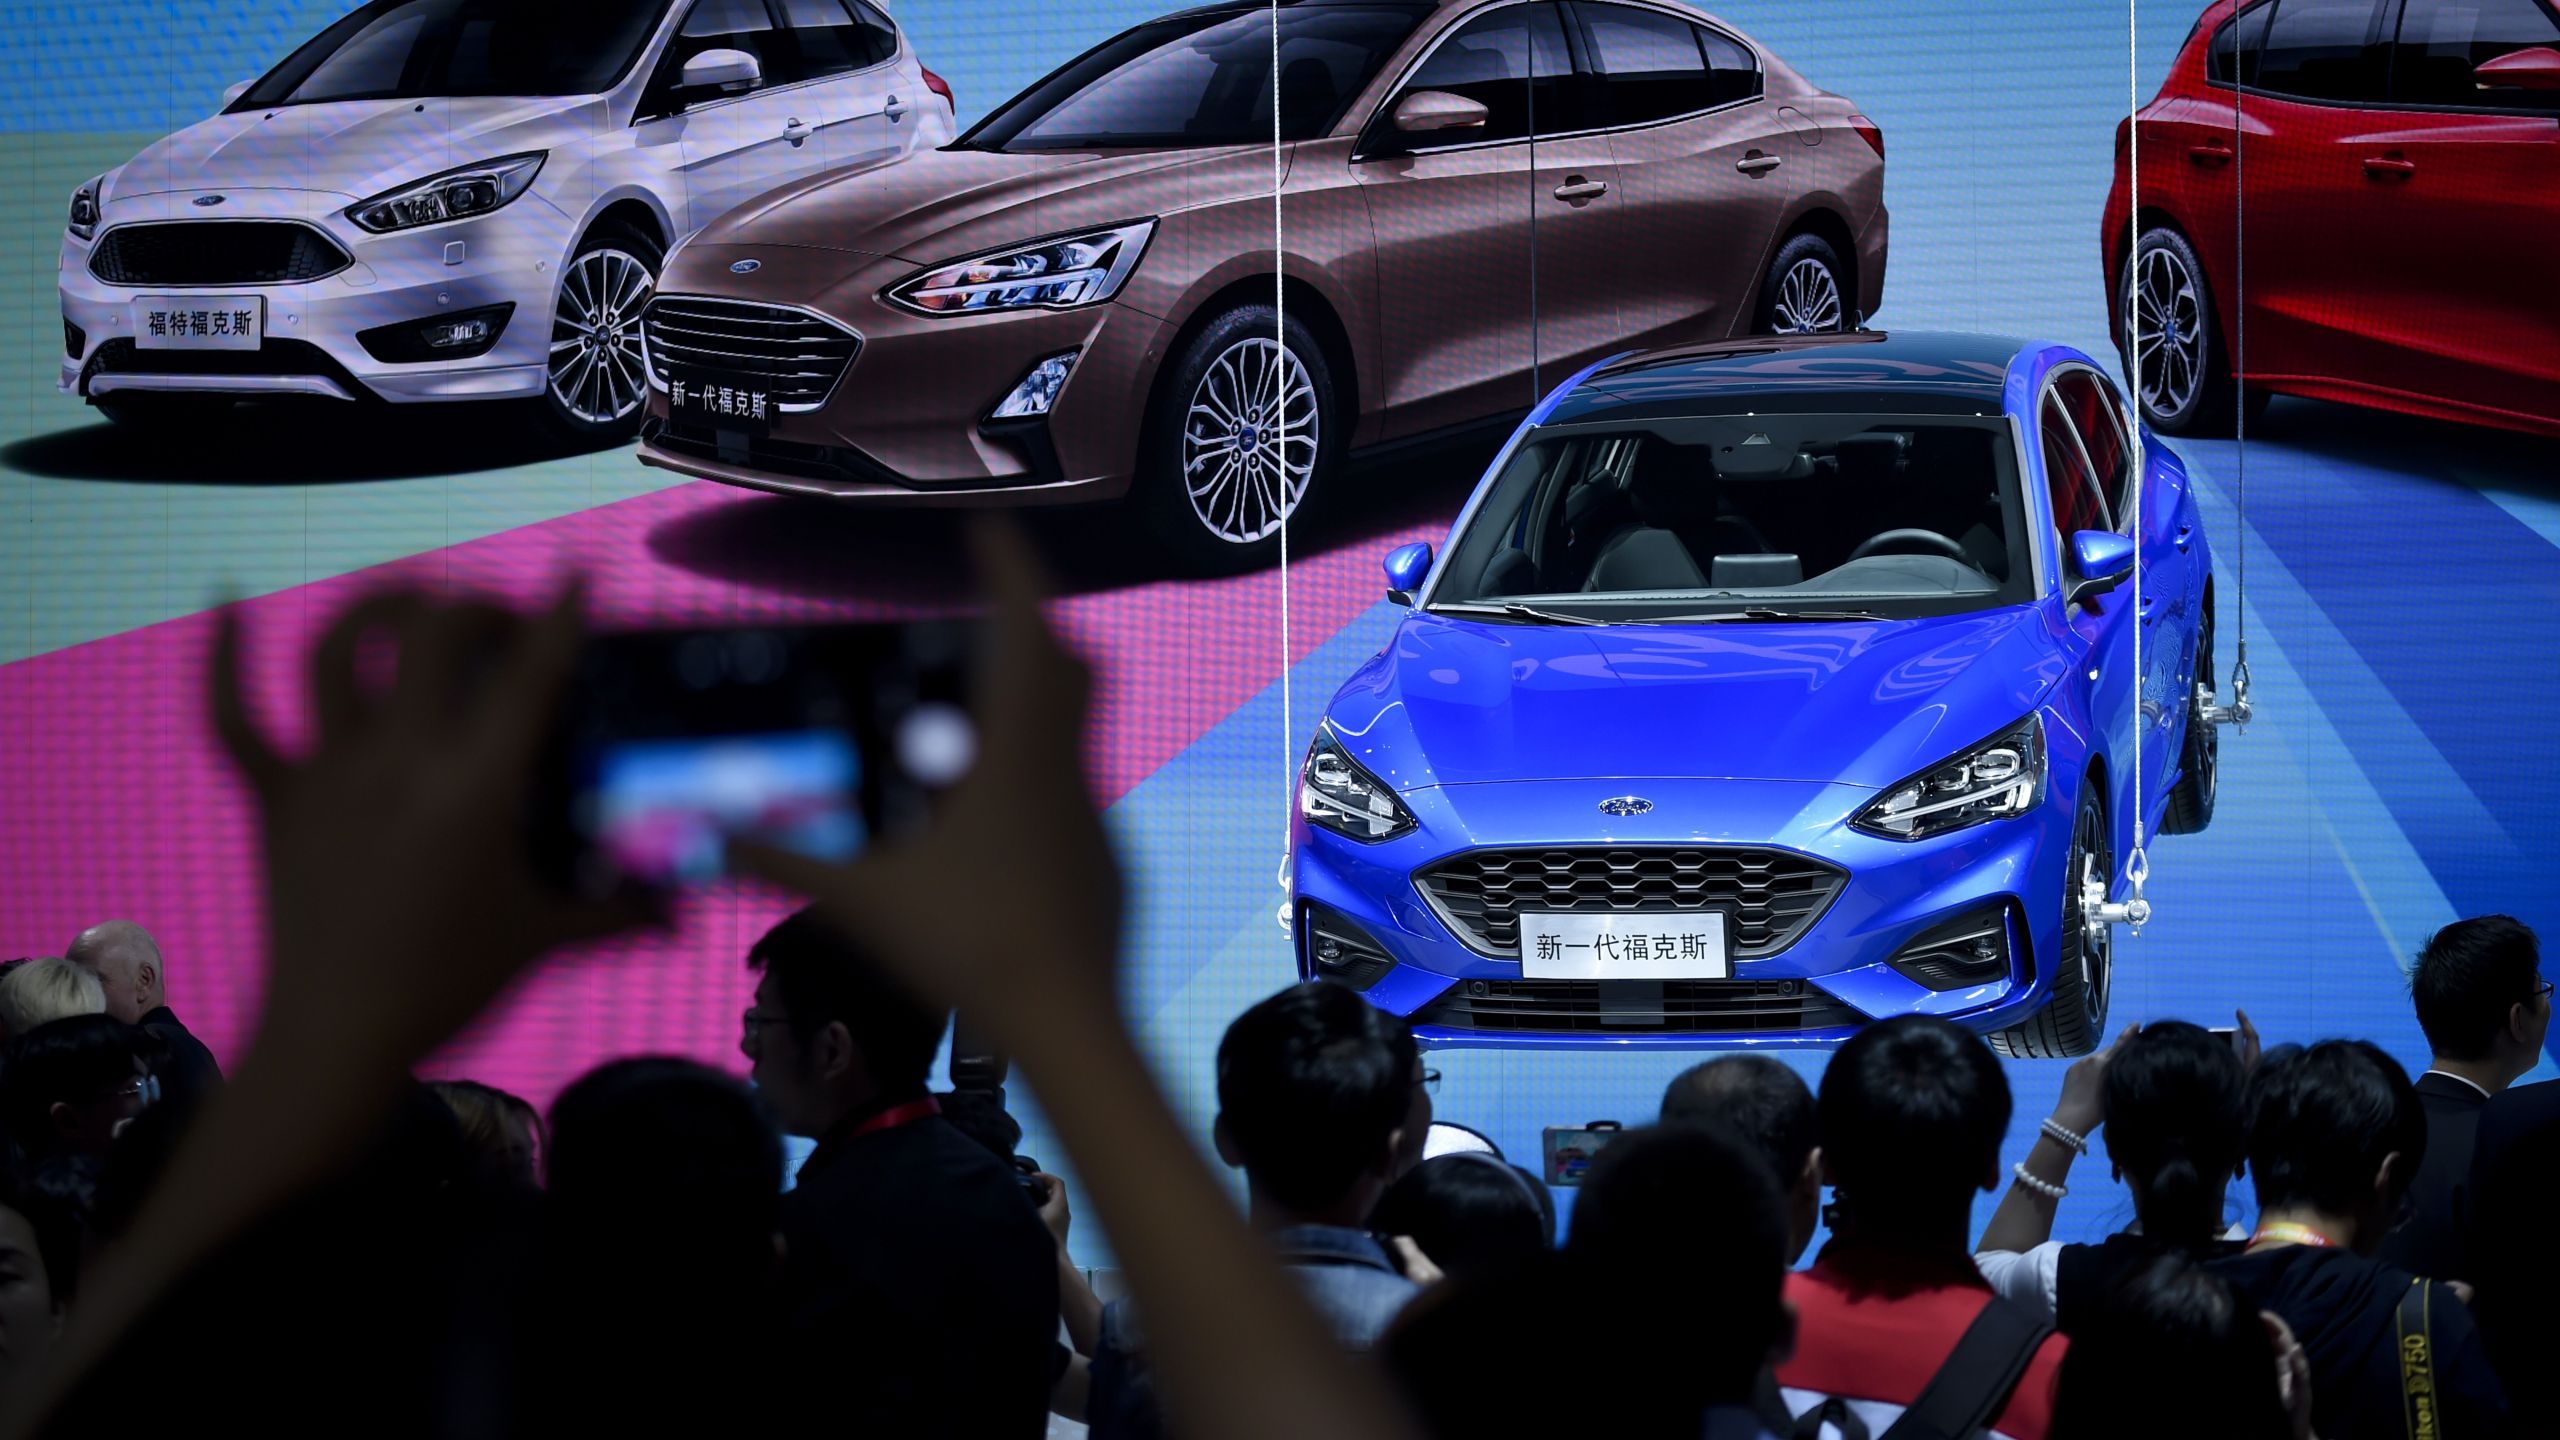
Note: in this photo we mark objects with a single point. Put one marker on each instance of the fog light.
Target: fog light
(448, 334)
(443, 337)
(1340, 950)
(1038, 390)
(1971, 950)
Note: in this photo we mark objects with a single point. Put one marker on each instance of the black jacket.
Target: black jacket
(2515, 1174)
(2432, 1243)
(920, 1289)
(2344, 1308)
(191, 1074)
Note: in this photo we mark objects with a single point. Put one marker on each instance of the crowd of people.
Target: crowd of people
(322, 1240)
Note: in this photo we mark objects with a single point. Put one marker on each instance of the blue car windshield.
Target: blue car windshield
(1748, 517)
(438, 49)
(1205, 78)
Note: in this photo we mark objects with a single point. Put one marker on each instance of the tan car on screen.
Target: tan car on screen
(1075, 301)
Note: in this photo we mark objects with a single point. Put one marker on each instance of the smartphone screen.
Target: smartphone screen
(810, 738)
(665, 810)
(1570, 1149)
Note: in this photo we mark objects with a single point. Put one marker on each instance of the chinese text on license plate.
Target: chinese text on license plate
(199, 322)
(722, 403)
(1623, 945)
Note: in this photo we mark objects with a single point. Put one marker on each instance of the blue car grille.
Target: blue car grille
(1635, 1007)
(1767, 897)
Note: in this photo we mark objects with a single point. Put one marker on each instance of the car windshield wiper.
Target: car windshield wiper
(1516, 612)
(1764, 615)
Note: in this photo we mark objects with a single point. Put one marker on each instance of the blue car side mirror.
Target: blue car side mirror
(1407, 567)
(2101, 560)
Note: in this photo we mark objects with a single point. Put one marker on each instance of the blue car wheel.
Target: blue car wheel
(2200, 758)
(2076, 1017)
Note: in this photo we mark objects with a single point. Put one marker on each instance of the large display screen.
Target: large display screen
(702, 298)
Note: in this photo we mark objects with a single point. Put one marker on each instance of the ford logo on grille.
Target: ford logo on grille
(1625, 805)
(208, 200)
(745, 267)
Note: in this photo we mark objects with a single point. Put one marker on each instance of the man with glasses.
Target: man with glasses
(919, 1287)
(2486, 1009)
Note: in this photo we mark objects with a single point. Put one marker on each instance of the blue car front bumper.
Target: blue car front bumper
(1830, 927)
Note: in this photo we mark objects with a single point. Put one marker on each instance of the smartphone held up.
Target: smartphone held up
(815, 739)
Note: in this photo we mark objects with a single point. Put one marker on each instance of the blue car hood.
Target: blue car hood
(1454, 702)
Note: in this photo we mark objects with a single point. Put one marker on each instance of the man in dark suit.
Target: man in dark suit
(2485, 1007)
(919, 1285)
(2515, 1173)
(127, 962)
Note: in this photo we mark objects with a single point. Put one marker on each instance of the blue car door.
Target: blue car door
(2172, 589)
(2103, 624)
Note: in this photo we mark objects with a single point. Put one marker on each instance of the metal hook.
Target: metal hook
(2097, 912)
(2237, 712)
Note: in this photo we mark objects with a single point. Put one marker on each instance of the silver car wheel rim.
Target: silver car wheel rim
(2097, 941)
(1249, 440)
(1808, 300)
(597, 371)
(2168, 328)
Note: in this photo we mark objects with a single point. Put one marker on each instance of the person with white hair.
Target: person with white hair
(126, 960)
(48, 989)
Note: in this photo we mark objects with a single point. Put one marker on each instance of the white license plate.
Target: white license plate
(199, 322)
(1623, 945)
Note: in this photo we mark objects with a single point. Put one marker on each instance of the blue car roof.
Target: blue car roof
(1910, 373)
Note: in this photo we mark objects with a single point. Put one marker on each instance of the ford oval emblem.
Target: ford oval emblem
(208, 200)
(1626, 805)
(745, 267)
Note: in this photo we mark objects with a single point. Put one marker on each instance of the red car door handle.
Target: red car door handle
(2389, 167)
(2210, 153)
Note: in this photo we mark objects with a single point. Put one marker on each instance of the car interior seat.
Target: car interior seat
(1672, 491)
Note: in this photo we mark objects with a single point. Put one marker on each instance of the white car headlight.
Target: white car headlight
(84, 209)
(2001, 777)
(1336, 794)
(1055, 274)
(454, 195)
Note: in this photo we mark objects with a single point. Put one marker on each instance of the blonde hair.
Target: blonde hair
(49, 989)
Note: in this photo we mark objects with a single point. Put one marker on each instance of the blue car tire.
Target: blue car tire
(2072, 1022)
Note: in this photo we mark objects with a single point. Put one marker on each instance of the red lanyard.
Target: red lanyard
(897, 1115)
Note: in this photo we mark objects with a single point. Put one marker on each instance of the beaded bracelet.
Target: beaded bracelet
(2046, 1188)
(2066, 1135)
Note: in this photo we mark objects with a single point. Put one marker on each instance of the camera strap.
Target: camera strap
(1969, 1388)
(2418, 1363)
(895, 1116)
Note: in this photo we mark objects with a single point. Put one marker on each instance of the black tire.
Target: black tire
(164, 418)
(2200, 756)
(2205, 406)
(1810, 261)
(2076, 1015)
(596, 416)
(1232, 522)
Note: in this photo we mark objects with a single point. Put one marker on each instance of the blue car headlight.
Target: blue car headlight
(1336, 794)
(2001, 777)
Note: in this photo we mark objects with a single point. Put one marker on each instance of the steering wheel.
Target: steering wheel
(1904, 542)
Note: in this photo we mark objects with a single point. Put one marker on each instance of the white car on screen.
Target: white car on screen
(465, 200)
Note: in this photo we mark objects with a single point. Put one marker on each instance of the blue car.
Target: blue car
(1765, 689)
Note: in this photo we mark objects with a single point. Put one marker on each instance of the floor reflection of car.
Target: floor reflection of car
(1766, 689)
(2401, 179)
(1076, 299)
(464, 200)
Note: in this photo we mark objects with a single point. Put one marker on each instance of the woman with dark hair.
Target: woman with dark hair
(1468, 1212)
(503, 1132)
(2173, 1348)
(2174, 1101)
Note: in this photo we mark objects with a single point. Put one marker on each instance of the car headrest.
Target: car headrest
(1673, 485)
(1644, 560)
(1875, 456)
(1757, 572)
(1308, 90)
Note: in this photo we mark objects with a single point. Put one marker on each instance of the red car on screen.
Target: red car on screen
(2400, 168)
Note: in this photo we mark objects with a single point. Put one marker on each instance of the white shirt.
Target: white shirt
(2465, 1079)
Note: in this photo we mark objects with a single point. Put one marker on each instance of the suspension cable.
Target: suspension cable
(2239, 711)
(2137, 867)
(1280, 454)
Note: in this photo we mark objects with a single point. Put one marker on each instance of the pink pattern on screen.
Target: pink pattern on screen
(120, 804)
